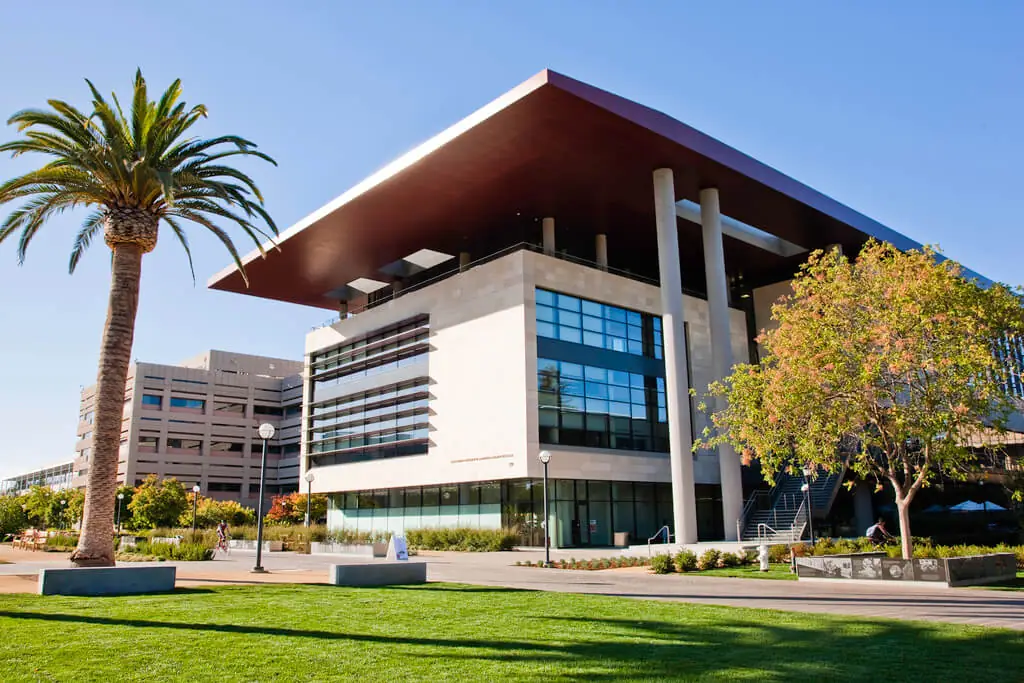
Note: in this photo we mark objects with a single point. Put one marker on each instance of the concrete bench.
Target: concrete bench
(106, 580)
(378, 573)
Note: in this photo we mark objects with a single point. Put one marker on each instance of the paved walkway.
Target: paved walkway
(956, 605)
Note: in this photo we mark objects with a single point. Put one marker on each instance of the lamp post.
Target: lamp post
(266, 432)
(544, 457)
(120, 500)
(806, 488)
(63, 513)
(309, 497)
(195, 505)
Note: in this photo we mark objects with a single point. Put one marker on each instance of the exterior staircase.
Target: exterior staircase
(780, 514)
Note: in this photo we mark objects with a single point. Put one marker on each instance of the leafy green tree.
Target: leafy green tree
(42, 506)
(890, 364)
(126, 514)
(210, 513)
(158, 502)
(13, 519)
(134, 170)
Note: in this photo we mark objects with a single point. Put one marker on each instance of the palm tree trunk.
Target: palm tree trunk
(96, 543)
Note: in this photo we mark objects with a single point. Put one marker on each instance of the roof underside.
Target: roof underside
(551, 147)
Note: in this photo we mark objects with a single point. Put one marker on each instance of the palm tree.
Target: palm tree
(134, 172)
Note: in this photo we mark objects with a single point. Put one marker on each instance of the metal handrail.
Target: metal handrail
(659, 534)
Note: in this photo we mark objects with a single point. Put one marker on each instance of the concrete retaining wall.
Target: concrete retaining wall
(951, 571)
(106, 580)
(378, 573)
(268, 546)
(361, 549)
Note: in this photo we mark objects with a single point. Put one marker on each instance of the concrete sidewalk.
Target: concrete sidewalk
(955, 605)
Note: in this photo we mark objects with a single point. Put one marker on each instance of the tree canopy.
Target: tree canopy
(157, 503)
(890, 365)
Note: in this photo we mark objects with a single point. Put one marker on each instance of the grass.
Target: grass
(450, 632)
(775, 571)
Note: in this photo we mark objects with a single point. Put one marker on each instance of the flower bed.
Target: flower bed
(591, 565)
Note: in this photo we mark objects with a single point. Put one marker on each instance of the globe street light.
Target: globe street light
(544, 457)
(63, 513)
(806, 488)
(195, 503)
(120, 499)
(309, 496)
(266, 432)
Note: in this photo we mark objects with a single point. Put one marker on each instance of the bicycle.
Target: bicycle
(222, 546)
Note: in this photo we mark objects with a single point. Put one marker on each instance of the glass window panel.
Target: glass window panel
(573, 403)
(564, 489)
(547, 399)
(546, 330)
(519, 491)
(615, 344)
(618, 394)
(595, 339)
(572, 420)
(546, 314)
(622, 491)
(571, 369)
(597, 423)
(569, 318)
(596, 405)
(413, 498)
(592, 308)
(549, 366)
(636, 381)
(616, 408)
(636, 396)
(618, 377)
(641, 427)
(545, 297)
(431, 496)
(570, 334)
(595, 390)
(616, 329)
(657, 323)
(599, 490)
(633, 318)
(568, 303)
(490, 492)
(634, 333)
(657, 352)
(571, 387)
(621, 425)
(592, 324)
(662, 415)
(397, 499)
(596, 374)
(638, 412)
(634, 347)
(615, 314)
(450, 495)
(548, 417)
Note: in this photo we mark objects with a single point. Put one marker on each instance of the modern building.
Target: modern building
(56, 476)
(554, 272)
(196, 422)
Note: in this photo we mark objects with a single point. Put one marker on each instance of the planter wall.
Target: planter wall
(268, 546)
(361, 549)
(951, 571)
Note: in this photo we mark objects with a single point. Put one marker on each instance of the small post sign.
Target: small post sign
(397, 548)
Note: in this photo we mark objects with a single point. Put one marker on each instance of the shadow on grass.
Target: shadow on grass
(590, 647)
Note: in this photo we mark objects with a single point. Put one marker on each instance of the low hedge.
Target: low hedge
(185, 552)
(590, 565)
(474, 540)
(923, 548)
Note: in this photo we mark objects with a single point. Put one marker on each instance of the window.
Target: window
(187, 381)
(85, 435)
(89, 417)
(394, 346)
(225, 487)
(293, 410)
(229, 407)
(194, 446)
(152, 377)
(149, 444)
(581, 405)
(226, 447)
(189, 404)
(85, 453)
(268, 410)
(581, 321)
(152, 400)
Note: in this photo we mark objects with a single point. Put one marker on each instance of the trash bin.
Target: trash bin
(621, 539)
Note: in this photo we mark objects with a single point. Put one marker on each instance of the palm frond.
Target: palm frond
(143, 158)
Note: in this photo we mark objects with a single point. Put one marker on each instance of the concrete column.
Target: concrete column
(721, 350)
(342, 309)
(548, 227)
(601, 249)
(463, 260)
(863, 509)
(396, 287)
(677, 384)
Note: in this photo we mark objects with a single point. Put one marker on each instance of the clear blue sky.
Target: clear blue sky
(910, 112)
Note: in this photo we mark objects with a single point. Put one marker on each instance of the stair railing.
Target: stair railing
(664, 532)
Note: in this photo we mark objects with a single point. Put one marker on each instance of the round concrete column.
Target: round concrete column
(677, 384)
(601, 250)
(548, 228)
(721, 350)
(463, 260)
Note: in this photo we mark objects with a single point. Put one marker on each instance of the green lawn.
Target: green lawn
(293, 633)
(775, 571)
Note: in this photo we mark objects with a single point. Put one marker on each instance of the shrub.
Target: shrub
(474, 540)
(186, 552)
(662, 564)
(708, 559)
(62, 541)
(686, 561)
(13, 519)
(778, 554)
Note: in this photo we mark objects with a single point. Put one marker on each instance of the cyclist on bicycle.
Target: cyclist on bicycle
(222, 536)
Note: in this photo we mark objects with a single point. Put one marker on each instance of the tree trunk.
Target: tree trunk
(96, 543)
(903, 509)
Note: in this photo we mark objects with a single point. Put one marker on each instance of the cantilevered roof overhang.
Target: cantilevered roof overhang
(553, 146)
